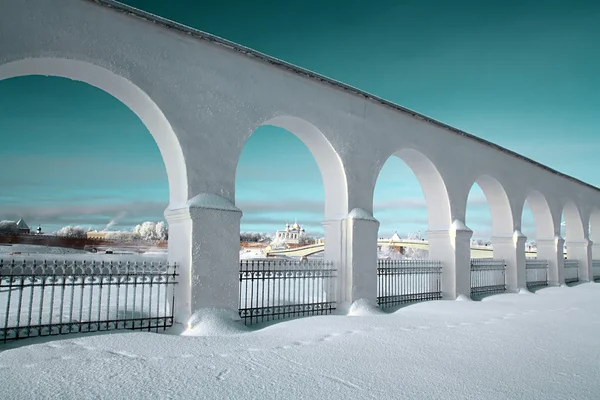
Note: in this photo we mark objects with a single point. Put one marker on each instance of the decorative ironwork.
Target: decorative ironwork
(596, 269)
(406, 281)
(488, 276)
(571, 271)
(277, 289)
(44, 298)
(537, 273)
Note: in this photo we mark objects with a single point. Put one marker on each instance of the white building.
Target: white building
(292, 234)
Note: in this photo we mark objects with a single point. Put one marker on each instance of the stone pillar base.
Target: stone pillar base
(204, 242)
(512, 250)
(582, 252)
(453, 248)
(552, 250)
(351, 244)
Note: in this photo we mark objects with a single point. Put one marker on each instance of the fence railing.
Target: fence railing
(537, 272)
(571, 271)
(405, 281)
(43, 298)
(277, 289)
(488, 276)
(596, 269)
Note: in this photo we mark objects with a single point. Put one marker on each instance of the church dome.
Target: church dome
(296, 226)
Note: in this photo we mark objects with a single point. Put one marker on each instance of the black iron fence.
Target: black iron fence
(596, 269)
(537, 273)
(277, 289)
(488, 276)
(408, 280)
(571, 271)
(43, 298)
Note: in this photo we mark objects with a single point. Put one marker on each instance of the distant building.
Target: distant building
(292, 234)
(23, 227)
(107, 235)
(96, 235)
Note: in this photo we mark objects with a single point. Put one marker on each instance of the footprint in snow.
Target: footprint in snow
(221, 376)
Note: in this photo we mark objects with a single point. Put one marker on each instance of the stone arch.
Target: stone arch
(127, 93)
(574, 229)
(432, 184)
(499, 203)
(327, 159)
(542, 216)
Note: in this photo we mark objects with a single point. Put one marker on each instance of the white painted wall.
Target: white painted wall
(202, 100)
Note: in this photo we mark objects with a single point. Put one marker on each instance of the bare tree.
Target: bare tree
(9, 228)
(72, 232)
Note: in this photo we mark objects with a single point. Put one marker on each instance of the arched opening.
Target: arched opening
(595, 238)
(540, 250)
(488, 215)
(289, 183)
(571, 223)
(595, 228)
(80, 139)
(128, 94)
(528, 228)
(576, 260)
(288, 172)
(409, 200)
(542, 216)
(411, 203)
(82, 156)
(278, 184)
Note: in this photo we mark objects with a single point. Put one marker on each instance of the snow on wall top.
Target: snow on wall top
(166, 23)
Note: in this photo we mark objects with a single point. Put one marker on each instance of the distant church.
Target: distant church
(292, 234)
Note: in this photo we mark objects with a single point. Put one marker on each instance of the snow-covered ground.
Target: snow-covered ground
(22, 252)
(510, 346)
(7, 250)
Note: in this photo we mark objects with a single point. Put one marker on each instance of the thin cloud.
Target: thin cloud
(296, 206)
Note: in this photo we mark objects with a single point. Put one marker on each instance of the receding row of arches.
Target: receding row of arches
(435, 207)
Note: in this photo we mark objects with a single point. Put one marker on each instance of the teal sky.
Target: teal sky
(523, 74)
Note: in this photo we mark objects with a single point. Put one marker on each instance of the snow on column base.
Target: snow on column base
(364, 307)
(204, 242)
(212, 321)
(462, 297)
(524, 291)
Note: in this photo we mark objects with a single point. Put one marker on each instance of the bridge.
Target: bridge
(201, 97)
(309, 250)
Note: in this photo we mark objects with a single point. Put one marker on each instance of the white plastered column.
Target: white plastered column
(581, 250)
(453, 248)
(552, 250)
(351, 244)
(512, 250)
(204, 242)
